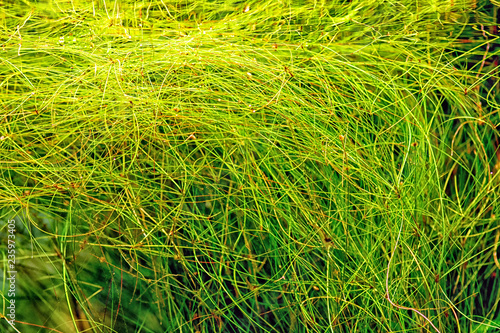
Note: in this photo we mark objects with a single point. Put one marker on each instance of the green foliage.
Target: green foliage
(260, 166)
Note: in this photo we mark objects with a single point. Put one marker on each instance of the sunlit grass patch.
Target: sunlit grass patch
(247, 167)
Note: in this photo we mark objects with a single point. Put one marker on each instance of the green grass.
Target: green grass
(260, 166)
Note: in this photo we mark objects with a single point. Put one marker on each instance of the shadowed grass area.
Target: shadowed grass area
(260, 166)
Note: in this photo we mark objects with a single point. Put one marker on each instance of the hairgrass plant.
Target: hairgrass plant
(259, 166)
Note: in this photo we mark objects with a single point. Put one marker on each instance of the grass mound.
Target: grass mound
(264, 166)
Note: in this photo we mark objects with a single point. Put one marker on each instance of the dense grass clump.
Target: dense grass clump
(260, 166)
